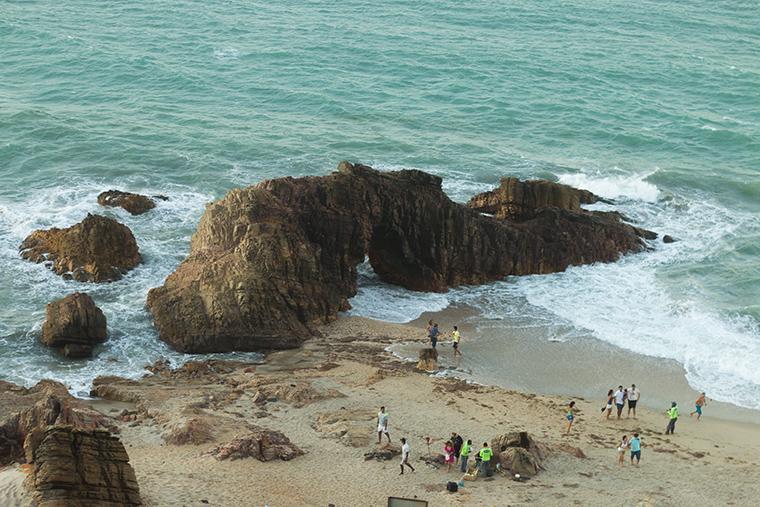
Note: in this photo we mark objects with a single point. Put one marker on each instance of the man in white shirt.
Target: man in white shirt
(620, 401)
(382, 426)
(405, 456)
(633, 397)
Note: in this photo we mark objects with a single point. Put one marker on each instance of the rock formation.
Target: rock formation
(428, 360)
(518, 453)
(25, 414)
(97, 249)
(136, 204)
(74, 324)
(76, 467)
(271, 261)
(262, 444)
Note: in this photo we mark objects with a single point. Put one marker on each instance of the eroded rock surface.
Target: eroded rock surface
(261, 444)
(271, 261)
(97, 249)
(74, 324)
(519, 453)
(76, 467)
(135, 204)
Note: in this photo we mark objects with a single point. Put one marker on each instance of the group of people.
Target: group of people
(634, 444)
(619, 399)
(434, 333)
(456, 451)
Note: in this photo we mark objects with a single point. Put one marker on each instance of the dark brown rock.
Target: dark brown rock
(519, 453)
(261, 444)
(270, 262)
(428, 359)
(75, 467)
(668, 239)
(74, 324)
(98, 249)
(136, 204)
(25, 413)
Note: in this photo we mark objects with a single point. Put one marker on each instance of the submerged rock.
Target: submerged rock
(74, 324)
(82, 467)
(97, 249)
(136, 204)
(270, 262)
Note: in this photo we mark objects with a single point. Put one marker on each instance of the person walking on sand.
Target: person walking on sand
(621, 449)
(448, 455)
(610, 401)
(485, 455)
(635, 448)
(382, 426)
(633, 398)
(405, 456)
(701, 402)
(455, 338)
(464, 456)
(672, 418)
(620, 400)
(457, 442)
(433, 335)
(570, 416)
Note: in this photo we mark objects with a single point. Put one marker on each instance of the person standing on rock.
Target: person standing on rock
(633, 398)
(405, 449)
(455, 337)
(382, 426)
(620, 401)
(701, 402)
(672, 418)
(464, 456)
(433, 335)
(635, 448)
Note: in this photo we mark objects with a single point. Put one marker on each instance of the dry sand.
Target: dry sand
(12, 492)
(348, 375)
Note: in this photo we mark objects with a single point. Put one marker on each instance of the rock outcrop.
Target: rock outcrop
(271, 261)
(76, 467)
(261, 444)
(518, 453)
(74, 324)
(25, 414)
(135, 204)
(97, 249)
(428, 359)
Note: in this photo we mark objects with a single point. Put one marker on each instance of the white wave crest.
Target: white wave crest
(632, 186)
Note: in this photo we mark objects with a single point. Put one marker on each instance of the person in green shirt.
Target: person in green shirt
(464, 455)
(485, 455)
(673, 417)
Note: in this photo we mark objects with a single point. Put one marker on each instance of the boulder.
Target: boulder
(191, 430)
(271, 262)
(518, 453)
(98, 249)
(261, 444)
(74, 324)
(25, 415)
(668, 239)
(136, 204)
(428, 360)
(77, 467)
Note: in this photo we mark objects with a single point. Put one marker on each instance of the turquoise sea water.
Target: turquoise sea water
(655, 104)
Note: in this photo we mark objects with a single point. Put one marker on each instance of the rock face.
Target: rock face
(271, 261)
(25, 414)
(518, 453)
(74, 324)
(136, 204)
(75, 467)
(98, 249)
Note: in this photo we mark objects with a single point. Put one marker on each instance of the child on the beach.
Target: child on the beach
(570, 416)
(622, 448)
(448, 454)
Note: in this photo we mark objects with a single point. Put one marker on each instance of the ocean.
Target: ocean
(653, 104)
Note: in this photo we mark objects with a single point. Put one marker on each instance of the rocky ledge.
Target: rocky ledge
(97, 249)
(271, 261)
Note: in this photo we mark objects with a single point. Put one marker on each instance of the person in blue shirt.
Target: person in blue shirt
(635, 444)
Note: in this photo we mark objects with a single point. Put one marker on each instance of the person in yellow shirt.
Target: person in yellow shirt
(464, 456)
(672, 418)
(485, 454)
(455, 337)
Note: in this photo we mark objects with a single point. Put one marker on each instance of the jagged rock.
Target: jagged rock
(428, 360)
(297, 393)
(514, 199)
(519, 453)
(193, 430)
(262, 444)
(75, 324)
(97, 249)
(24, 412)
(76, 467)
(136, 204)
(270, 262)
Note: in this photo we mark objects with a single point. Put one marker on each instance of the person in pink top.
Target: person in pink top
(448, 455)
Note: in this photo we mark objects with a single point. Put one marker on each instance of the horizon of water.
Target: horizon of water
(653, 104)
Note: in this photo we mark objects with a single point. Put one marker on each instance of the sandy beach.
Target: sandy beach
(327, 397)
